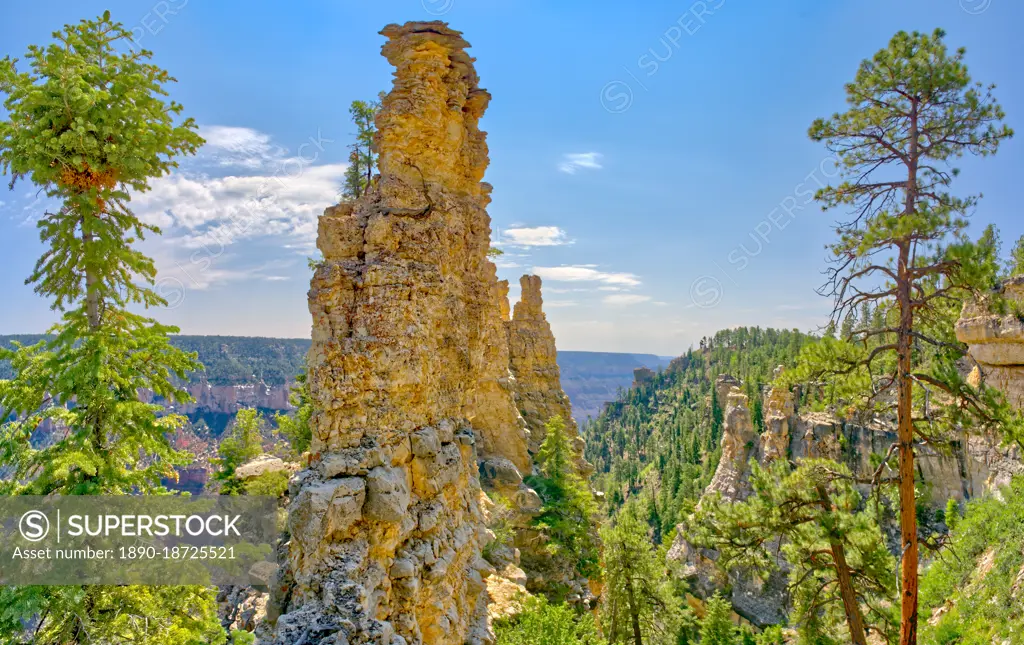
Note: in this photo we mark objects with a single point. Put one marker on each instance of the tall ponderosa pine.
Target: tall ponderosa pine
(839, 568)
(639, 603)
(88, 125)
(912, 110)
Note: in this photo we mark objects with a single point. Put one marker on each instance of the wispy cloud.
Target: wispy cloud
(533, 236)
(560, 303)
(573, 161)
(239, 147)
(586, 273)
(621, 299)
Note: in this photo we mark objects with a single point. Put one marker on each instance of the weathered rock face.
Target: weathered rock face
(730, 478)
(779, 408)
(538, 391)
(491, 408)
(976, 466)
(386, 529)
(996, 343)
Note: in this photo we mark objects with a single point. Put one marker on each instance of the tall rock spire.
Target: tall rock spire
(407, 374)
(538, 387)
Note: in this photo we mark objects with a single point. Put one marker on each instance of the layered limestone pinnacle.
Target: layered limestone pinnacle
(538, 389)
(996, 343)
(409, 372)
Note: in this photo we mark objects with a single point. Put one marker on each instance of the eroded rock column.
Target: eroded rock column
(538, 388)
(386, 529)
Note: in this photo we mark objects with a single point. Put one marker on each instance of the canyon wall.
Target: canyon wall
(976, 465)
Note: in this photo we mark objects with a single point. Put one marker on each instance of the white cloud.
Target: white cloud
(586, 273)
(502, 263)
(573, 161)
(560, 303)
(533, 236)
(212, 212)
(620, 299)
(242, 147)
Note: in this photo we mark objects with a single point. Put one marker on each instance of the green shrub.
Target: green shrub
(541, 622)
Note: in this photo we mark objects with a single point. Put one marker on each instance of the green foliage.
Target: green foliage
(540, 621)
(912, 111)
(225, 360)
(230, 360)
(295, 427)
(659, 441)
(272, 484)
(362, 159)
(639, 594)
(243, 443)
(118, 615)
(771, 635)
(813, 517)
(952, 514)
(1017, 258)
(977, 582)
(716, 628)
(566, 518)
(240, 637)
(88, 125)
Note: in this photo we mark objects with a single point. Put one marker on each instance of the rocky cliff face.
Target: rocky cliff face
(411, 368)
(977, 465)
(997, 343)
(538, 392)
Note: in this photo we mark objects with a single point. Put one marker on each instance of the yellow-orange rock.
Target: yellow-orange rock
(996, 343)
(409, 372)
(539, 394)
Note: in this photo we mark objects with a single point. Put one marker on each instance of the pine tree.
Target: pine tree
(912, 110)
(296, 427)
(566, 516)
(88, 126)
(243, 443)
(716, 628)
(362, 159)
(640, 605)
(840, 570)
(1017, 258)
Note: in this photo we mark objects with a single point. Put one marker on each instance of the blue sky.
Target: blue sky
(649, 160)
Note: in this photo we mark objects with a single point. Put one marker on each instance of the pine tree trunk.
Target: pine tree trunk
(92, 296)
(905, 405)
(634, 613)
(854, 618)
(905, 436)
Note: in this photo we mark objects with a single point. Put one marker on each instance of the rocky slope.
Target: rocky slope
(414, 369)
